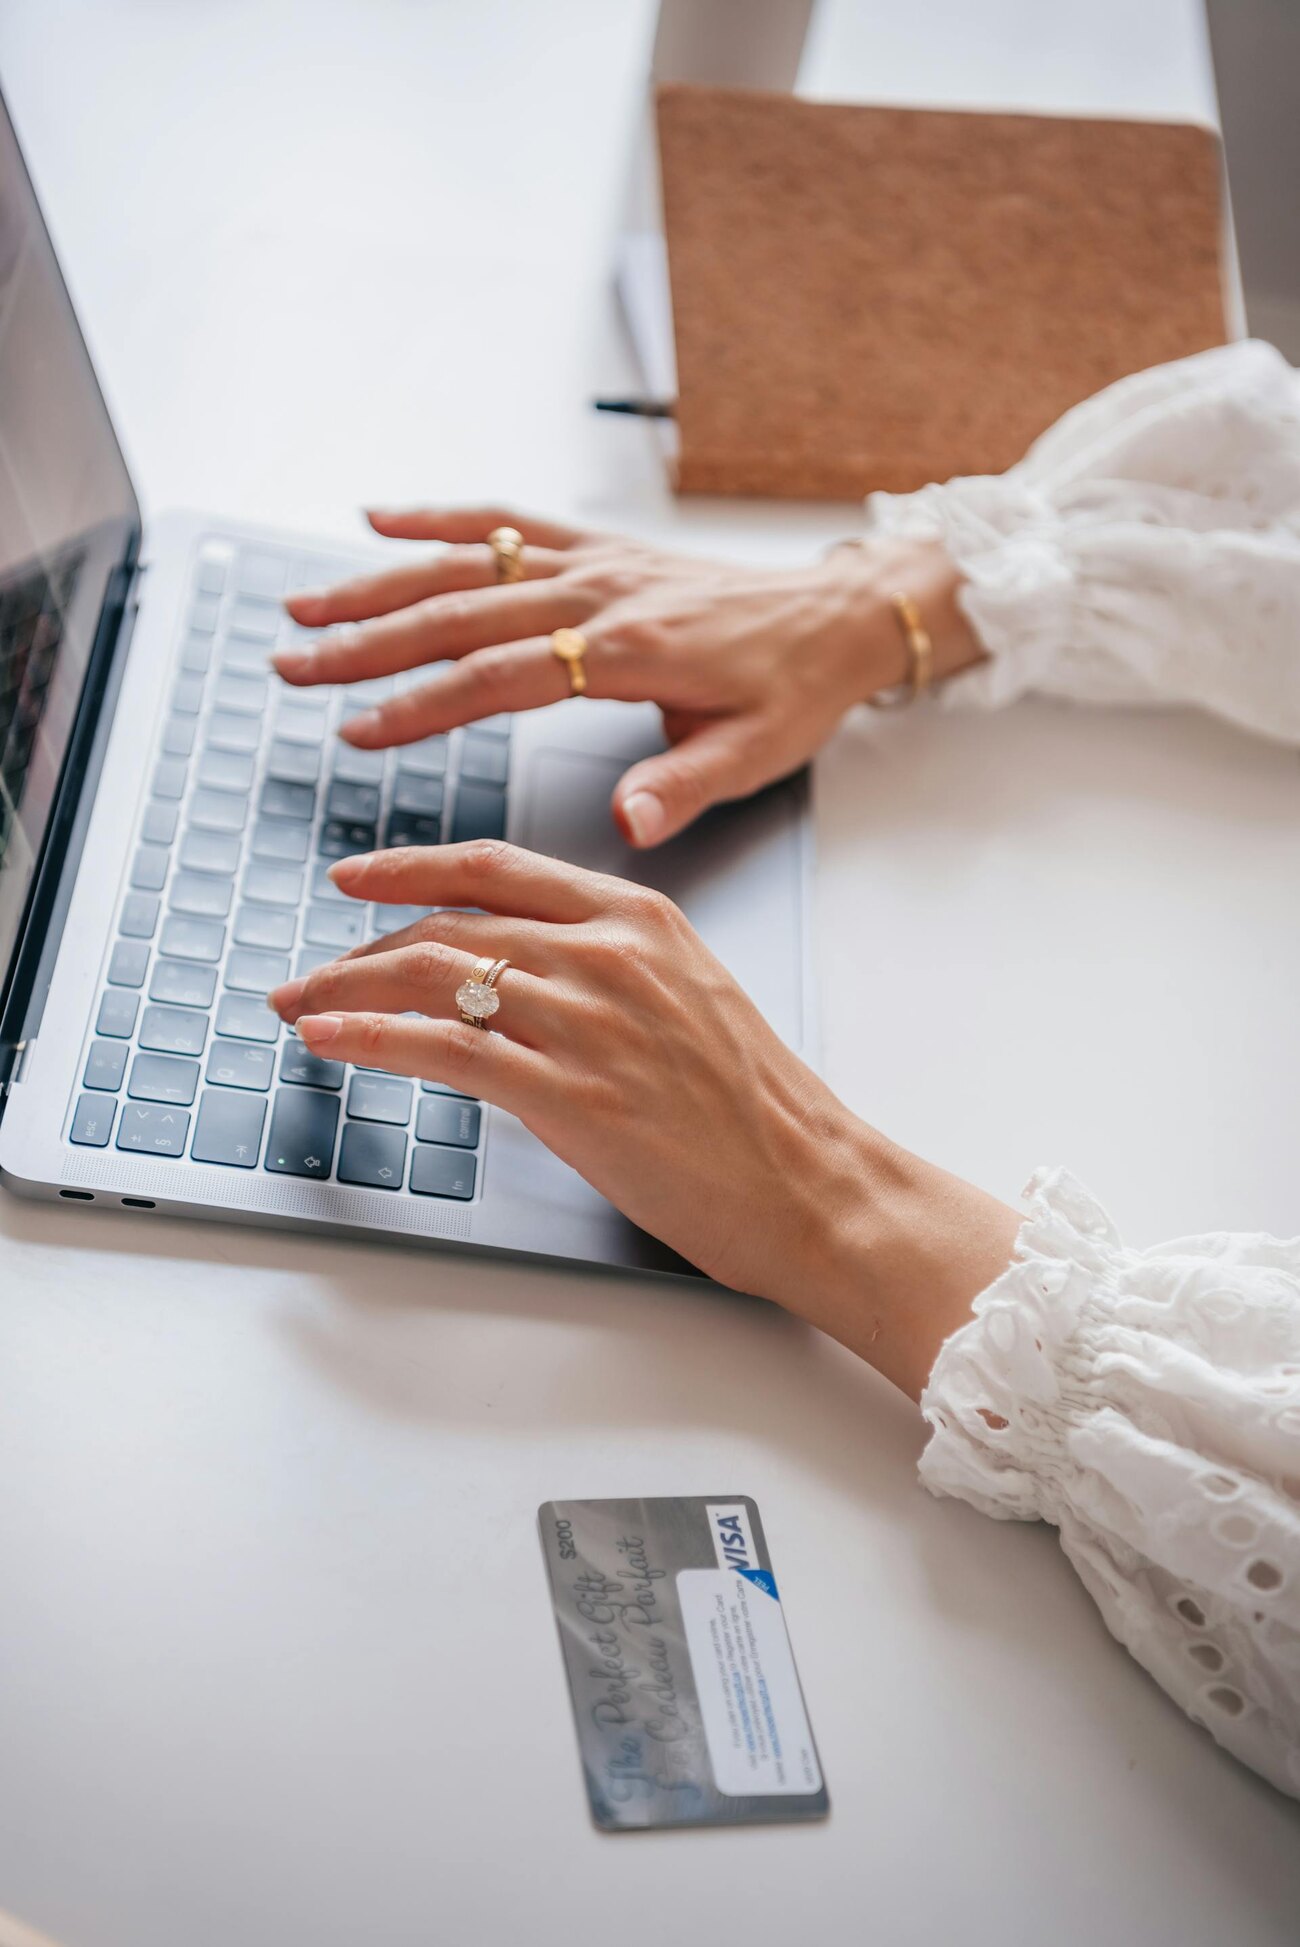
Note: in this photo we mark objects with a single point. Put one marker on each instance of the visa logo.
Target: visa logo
(733, 1543)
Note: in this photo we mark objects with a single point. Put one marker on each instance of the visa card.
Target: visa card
(685, 1694)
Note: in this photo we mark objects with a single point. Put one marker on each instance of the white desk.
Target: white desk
(276, 1657)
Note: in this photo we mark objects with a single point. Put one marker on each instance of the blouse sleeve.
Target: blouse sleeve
(1147, 1404)
(1145, 550)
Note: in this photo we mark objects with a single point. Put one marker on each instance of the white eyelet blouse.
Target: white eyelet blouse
(1147, 1403)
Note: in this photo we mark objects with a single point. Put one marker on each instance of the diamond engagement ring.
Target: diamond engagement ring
(477, 997)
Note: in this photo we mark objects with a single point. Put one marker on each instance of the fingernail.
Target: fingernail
(644, 816)
(320, 1027)
(350, 868)
(285, 999)
(305, 598)
(366, 725)
(293, 662)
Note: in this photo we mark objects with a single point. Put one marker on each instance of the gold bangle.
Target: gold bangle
(920, 657)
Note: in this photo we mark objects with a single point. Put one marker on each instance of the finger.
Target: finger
(418, 979)
(380, 594)
(445, 626)
(659, 797)
(486, 872)
(507, 677)
(483, 936)
(486, 1066)
(469, 524)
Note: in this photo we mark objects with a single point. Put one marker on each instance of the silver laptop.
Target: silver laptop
(168, 811)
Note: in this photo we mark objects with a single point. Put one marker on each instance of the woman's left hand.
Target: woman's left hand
(632, 1053)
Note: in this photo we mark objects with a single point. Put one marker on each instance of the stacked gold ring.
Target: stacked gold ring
(507, 545)
(477, 998)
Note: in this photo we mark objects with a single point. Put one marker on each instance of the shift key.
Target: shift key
(303, 1125)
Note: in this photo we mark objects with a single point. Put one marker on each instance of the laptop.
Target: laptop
(168, 813)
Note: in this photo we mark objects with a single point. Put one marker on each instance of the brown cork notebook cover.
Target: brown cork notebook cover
(877, 297)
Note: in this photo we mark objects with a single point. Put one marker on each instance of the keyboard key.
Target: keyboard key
(162, 1078)
(303, 1125)
(262, 574)
(139, 916)
(486, 758)
(296, 763)
(210, 852)
(150, 868)
(250, 972)
(210, 576)
(192, 939)
(479, 812)
(178, 736)
(92, 1124)
(218, 811)
(196, 655)
(364, 695)
(392, 919)
(343, 839)
(246, 1018)
(448, 1119)
(173, 1030)
(380, 1098)
(105, 1065)
(240, 696)
(428, 759)
(227, 732)
(336, 926)
(240, 1064)
(169, 778)
(494, 726)
(322, 886)
(260, 619)
(200, 892)
(273, 885)
(158, 1130)
(421, 795)
(242, 655)
(273, 838)
(180, 983)
(443, 1172)
(117, 1012)
(301, 723)
(281, 800)
(229, 1128)
(375, 1157)
(204, 612)
(127, 964)
(351, 766)
(159, 826)
(404, 828)
(311, 957)
(443, 1088)
(357, 803)
(187, 696)
(264, 926)
(298, 1066)
(226, 770)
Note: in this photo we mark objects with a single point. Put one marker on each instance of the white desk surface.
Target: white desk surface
(276, 1657)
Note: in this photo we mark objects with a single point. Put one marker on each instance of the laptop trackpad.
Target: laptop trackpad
(737, 873)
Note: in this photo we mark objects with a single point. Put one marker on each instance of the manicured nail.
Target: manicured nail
(344, 869)
(366, 725)
(293, 662)
(305, 598)
(644, 816)
(319, 1027)
(285, 999)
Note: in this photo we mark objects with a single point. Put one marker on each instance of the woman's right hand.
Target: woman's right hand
(752, 669)
(633, 1054)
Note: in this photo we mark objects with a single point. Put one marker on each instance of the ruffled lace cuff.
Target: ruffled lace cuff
(1148, 1404)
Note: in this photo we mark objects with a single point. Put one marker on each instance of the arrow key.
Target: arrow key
(373, 1155)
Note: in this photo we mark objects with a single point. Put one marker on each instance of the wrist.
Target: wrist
(896, 1251)
(869, 573)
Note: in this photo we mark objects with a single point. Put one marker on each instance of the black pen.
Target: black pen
(638, 408)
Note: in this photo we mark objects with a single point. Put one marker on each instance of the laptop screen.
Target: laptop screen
(67, 511)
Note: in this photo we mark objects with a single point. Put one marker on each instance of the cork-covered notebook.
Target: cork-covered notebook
(876, 297)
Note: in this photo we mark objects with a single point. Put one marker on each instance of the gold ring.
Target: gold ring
(569, 646)
(477, 997)
(507, 545)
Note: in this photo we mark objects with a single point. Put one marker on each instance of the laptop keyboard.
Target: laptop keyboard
(252, 797)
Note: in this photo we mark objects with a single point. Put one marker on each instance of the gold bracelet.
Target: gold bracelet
(920, 657)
